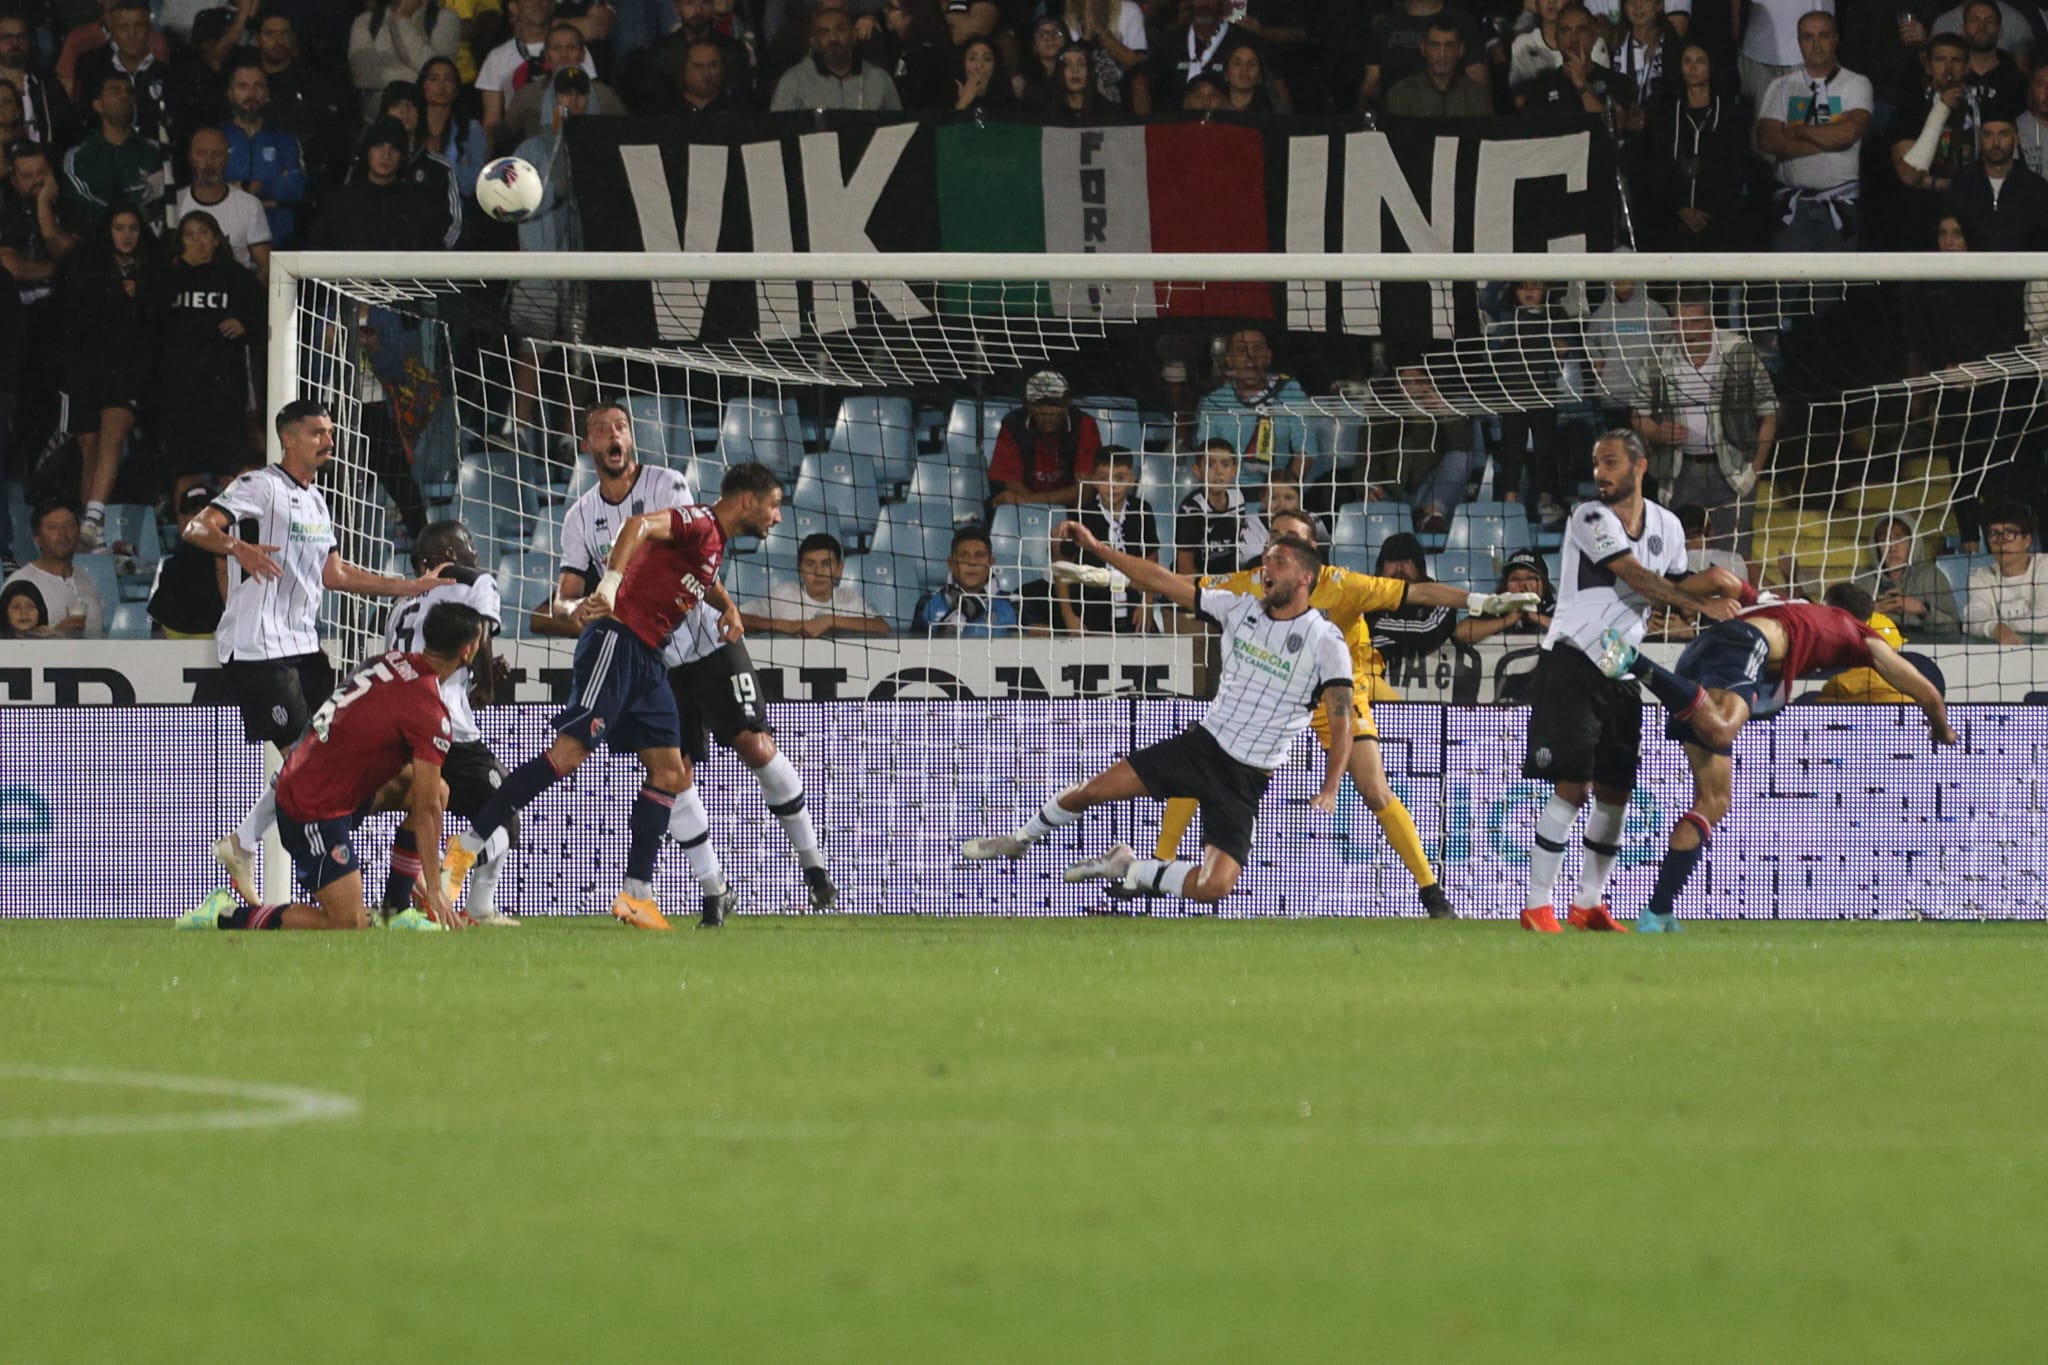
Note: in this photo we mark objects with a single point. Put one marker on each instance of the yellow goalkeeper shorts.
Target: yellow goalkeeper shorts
(1362, 726)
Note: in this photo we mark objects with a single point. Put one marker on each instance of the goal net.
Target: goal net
(1432, 415)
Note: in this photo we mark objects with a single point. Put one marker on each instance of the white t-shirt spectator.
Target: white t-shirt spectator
(504, 69)
(1791, 99)
(1772, 34)
(241, 217)
(64, 597)
(789, 602)
(1995, 600)
(1530, 57)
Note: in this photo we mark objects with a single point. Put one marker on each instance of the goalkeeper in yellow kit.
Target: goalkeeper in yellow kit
(1346, 598)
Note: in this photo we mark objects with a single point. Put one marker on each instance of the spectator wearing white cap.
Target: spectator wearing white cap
(1045, 449)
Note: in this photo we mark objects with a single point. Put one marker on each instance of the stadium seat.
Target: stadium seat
(969, 442)
(524, 582)
(1489, 526)
(100, 569)
(936, 484)
(1368, 524)
(128, 621)
(1554, 561)
(760, 429)
(1958, 568)
(488, 500)
(1117, 419)
(137, 525)
(843, 484)
(1158, 473)
(580, 482)
(1469, 569)
(660, 427)
(1356, 558)
(910, 537)
(748, 578)
(546, 537)
(878, 426)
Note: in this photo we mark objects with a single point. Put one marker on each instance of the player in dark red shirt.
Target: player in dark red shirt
(388, 715)
(661, 566)
(1744, 668)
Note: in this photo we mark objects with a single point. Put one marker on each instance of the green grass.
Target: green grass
(915, 1140)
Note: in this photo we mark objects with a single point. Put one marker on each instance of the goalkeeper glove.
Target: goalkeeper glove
(1501, 603)
(1089, 575)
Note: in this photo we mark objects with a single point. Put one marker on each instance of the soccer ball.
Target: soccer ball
(508, 189)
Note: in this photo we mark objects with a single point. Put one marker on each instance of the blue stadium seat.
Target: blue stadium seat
(878, 426)
(100, 569)
(1958, 568)
(128, 621)
(748, 578)
(969, 442)
(843, 484)
(660, 428)
(1030, 523)
(761, 429)
(1490, 526)
(489, 502)
(1357, 558)
(1554, 561)
(1117, 419)
(778, 550)
(1468, 569)
(546, 537)
(954, 489)
(1368, 524)
(524, 582)
(909, 536)
(136, 524)
(580, 482)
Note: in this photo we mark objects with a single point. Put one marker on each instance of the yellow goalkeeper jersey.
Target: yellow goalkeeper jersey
(1347, 598)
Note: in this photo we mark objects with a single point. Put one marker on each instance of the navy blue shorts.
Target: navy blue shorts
(320, 849)
(620, 694)
(1729, 657)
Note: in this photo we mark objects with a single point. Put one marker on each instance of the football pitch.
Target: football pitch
(907, 1139)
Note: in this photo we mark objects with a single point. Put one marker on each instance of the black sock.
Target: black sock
(254, 917)
(522, 784)
(1676, 693)
(405, 869)
(1672, 875)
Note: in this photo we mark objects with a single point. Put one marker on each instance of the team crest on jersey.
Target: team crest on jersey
(1294, 643)
(279, 714)
(1656, 544)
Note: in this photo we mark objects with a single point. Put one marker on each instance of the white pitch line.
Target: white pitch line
(284, 1104)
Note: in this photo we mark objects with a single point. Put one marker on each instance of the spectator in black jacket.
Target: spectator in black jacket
(1694, 159)
(46, 111)
(213, 309)
(2015, 218)
(1413, 630)
(653, 75)
(190, 591)
(107, 295)
(403, 101)
(303, 102)
(379, 209)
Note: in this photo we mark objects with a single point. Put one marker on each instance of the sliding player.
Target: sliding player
(1347, 598)
(471, 770)
(1622, 553)
(388, 715)
(1280, 657)
(661, 567)
(1741, 670)
(718, 693)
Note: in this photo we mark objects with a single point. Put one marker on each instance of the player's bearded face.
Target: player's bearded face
(1615, 479)
(1283, 578)
(611, 441)
(763, 515)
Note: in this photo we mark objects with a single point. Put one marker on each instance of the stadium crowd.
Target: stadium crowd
(154, 152)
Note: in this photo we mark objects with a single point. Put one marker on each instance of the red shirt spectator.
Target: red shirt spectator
(1044, 449)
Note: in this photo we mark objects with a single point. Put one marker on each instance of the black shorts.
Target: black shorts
(1583, 725)
(473, 775)
(277, 696)
(718, 697)
(321, 850)
(1193, 764)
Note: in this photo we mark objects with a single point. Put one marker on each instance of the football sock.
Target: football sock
(1049, 818)
(254, 917)
(405, 869)
(1602, 842)
(1406, 840)
(258, 822)
(1158, 877)
(1677, 694)
(483, 888)
(690, 827)
(521, 785)
(644, 827)
(638, 888)
(1180, 813)
(96, 511)
(782, 787)
(1553, 824)
(1678, 865)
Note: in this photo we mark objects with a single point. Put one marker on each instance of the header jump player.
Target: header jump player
(662, 565)
(390, 714)
(1741, 670)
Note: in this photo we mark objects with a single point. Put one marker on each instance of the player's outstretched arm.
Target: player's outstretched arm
(1144, 574)
(341, 576)
(428, 803)
(208, 529)
(1895, 669)
(1476, 603)
(1337, 710)
(1658, 588)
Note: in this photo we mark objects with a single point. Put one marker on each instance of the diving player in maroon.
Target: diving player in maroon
(389, 714)
(1743, 668)
(661, 566)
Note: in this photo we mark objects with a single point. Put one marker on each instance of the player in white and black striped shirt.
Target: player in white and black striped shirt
(717, 691)
(268, 640)
(1280, 657)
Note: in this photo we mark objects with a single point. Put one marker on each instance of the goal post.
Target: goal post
(1413, 396)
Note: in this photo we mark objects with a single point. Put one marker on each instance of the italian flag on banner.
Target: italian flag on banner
(1173, 187)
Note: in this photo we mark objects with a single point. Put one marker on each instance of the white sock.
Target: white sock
(489, 850)
(1150, 877)
(1553, 825)
(690, 827)
(483, 889)
(782, 788)
(1049, 818)
(1603, 827)
(637, 889)
(96, 511)
(261, 819)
